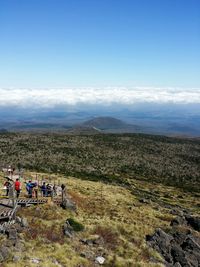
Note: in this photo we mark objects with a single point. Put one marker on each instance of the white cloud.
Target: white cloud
(106, 96)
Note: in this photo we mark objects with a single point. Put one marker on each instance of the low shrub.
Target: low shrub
(77, 227)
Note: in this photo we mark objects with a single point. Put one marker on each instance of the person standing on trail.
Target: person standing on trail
(63, 187)
(49, 190)
(54, 190)
(35, 190)
(17, 187)
(9, 170)
(29, 188)
(7, 184)
(44, 190)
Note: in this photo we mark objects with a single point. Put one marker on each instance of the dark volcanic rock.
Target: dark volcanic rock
(180, 249)
(192, 250)
(179, 236)
(178, 255)
(178, 221)
(177, 212)
(68, 204)
(68, 230)
(194, 222)
(145, 201)
(161, 241)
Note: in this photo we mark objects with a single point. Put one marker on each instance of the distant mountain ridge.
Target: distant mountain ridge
(105, 123)
(157, 122)
(110, 124)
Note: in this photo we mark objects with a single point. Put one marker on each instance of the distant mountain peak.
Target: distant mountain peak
(105, 123)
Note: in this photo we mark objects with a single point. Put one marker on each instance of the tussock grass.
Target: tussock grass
(111, 212)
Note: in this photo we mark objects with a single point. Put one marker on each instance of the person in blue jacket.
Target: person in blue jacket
(29, 188)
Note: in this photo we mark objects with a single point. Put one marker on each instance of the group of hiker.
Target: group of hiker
(46, 189)
(32, 188)
(17, 187)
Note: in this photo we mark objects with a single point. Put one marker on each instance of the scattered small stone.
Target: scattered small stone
(88, 255)
(177, 264)
(5, 252)
(16, 258)
(18, 220)
(86, 241)
(19, 246)
(24, 222)
(12, 233)
(68, 234)
(100, 260)
(144, 200)
(101, 250)
(57, 263)
(34, 260)
(38, 209)
(92, 240)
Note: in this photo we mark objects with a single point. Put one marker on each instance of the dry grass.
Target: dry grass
(111, 212)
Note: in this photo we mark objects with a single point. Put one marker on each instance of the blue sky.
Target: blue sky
(63, 43)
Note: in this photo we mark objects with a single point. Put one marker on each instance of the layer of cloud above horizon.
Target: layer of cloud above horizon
(97, 96)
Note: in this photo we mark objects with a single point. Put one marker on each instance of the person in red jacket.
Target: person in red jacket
(17, 187)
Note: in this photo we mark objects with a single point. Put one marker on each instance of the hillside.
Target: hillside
(116, 221)
(83, 130)
(107, 157)
(132, 194)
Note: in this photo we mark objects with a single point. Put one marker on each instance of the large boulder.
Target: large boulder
(67, 229)
(68, 204)
(179, 256)
(192, 251)
(161, 241)
(180, 249)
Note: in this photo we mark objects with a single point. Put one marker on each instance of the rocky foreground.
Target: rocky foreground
(180, 245)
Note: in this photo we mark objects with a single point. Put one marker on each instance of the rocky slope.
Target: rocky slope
(124, 226)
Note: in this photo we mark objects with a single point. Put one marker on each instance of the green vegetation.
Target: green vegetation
(107, 157)
(77, 227)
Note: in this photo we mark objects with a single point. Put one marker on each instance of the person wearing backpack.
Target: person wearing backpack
(29, 188)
